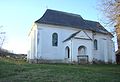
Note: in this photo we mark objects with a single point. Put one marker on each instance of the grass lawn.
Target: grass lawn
(20, 71)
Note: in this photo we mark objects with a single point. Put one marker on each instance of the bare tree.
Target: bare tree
(111, 10)
(2, 37)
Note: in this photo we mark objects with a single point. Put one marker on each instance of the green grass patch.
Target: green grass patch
(19, 71)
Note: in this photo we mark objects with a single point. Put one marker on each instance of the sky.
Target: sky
(17, 17)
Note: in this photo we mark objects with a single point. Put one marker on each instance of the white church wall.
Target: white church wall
(77, 43)
(32, 42)
(110, 49)
(41, 44)
(104, 52)
(113, 52)
(99, 53)
(67, 44)
(85, 34)
(32, 45)
(48, 51)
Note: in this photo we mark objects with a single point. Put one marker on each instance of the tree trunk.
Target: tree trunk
(118, 31)
(118, 35)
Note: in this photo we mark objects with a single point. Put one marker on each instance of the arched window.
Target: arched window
(55, 39)
(67, 51)
(95, 44)
(82, 50)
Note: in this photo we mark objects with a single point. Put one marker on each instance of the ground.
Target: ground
(12, 70)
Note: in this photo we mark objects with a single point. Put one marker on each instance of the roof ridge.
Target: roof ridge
(91, 21)
(68, 13)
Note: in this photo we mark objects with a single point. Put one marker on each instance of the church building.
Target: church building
(61, 37)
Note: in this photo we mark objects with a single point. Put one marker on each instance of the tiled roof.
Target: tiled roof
(71, 20)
